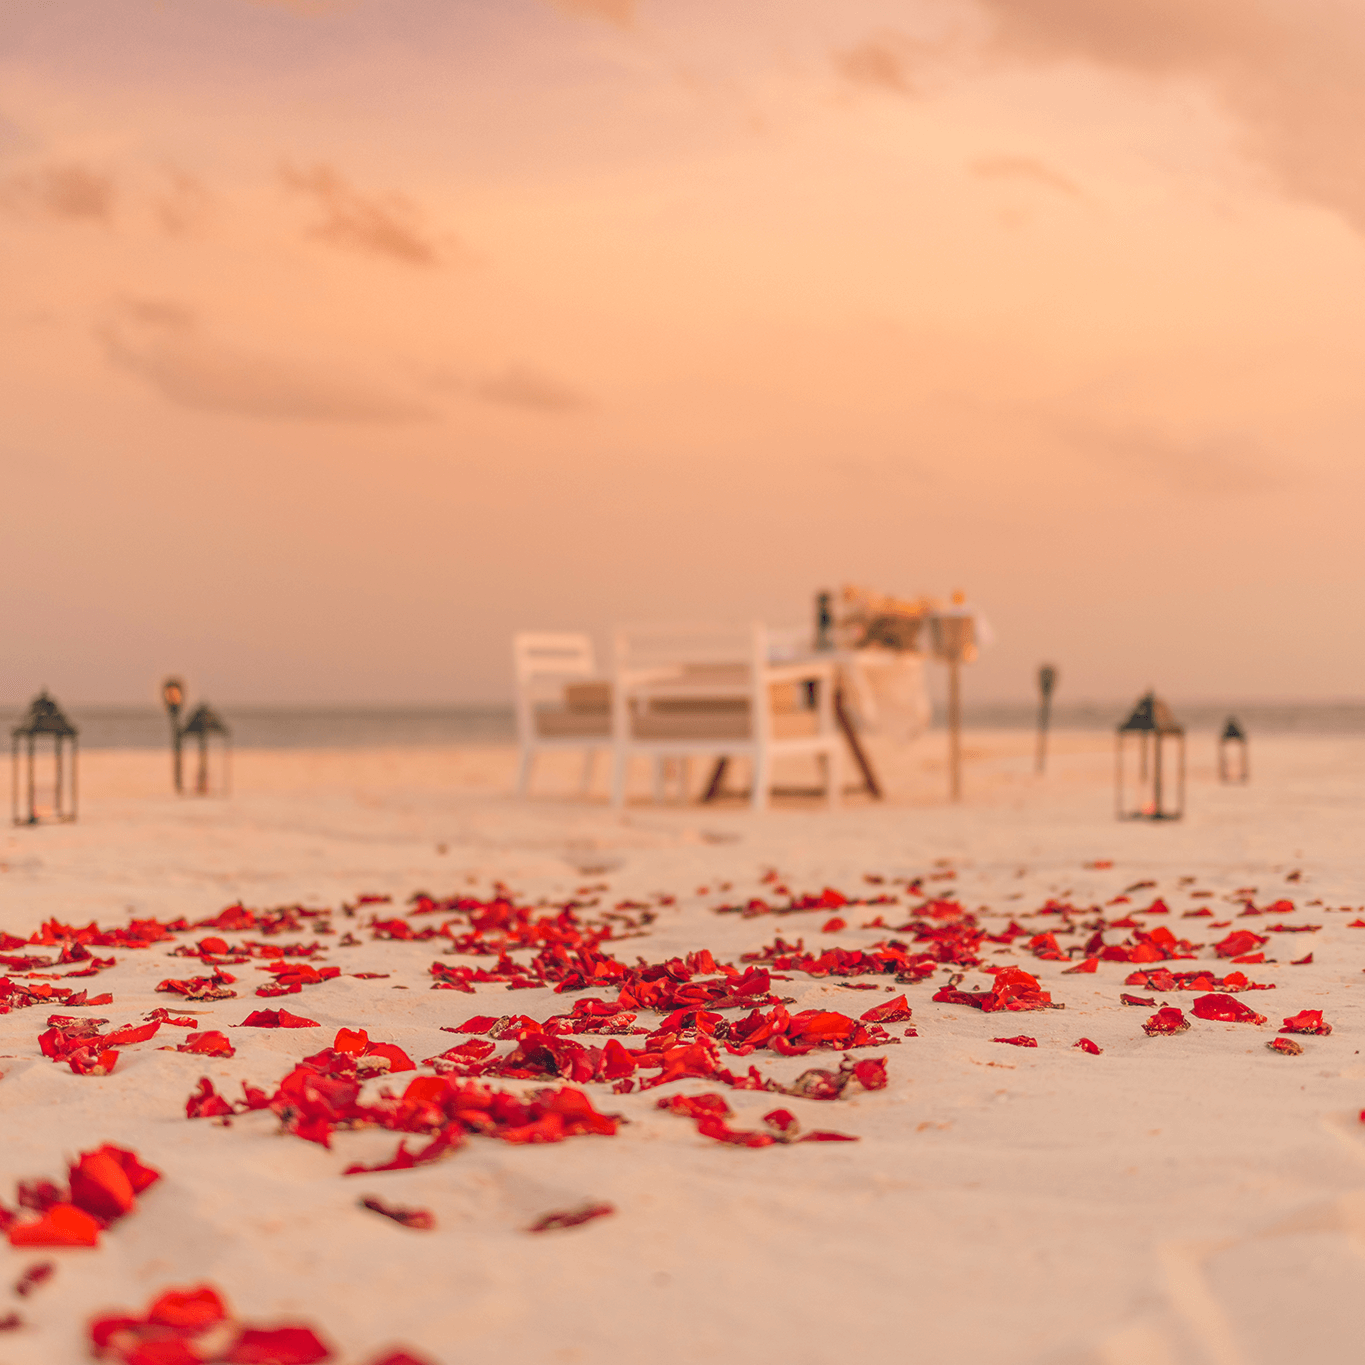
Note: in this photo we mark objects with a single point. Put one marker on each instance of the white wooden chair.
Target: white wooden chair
(711, 691)
(560, 702)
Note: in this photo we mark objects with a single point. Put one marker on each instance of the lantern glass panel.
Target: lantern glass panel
(1149, 774)
(43, 771)
(1232, 760)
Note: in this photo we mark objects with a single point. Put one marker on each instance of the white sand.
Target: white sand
(1188, 1199)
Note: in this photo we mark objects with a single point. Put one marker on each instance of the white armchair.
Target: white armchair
(560, 702)
(711, 691)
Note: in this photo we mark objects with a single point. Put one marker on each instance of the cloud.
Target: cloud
(71, 192)
(163, 343)
(520, 386)
(379, 225)
(618, 12)
(1292, 72)
(1222, 465)
(882, 62)
(183, 205)
(1025, 168)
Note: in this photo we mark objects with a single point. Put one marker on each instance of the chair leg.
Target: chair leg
(618, 778)
(528, 755)
(762, 780)
(585, 782)
(660, 774)
(834, 777)
(684, 778)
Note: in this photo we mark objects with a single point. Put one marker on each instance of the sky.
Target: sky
(340, 340)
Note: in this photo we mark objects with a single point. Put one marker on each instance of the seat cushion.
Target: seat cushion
(559, 722)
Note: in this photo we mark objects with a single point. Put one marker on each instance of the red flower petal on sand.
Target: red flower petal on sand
(140, 1177)
(1287, 1046)
(100, 1186)
(63, 1225)
(1145, 1001)
(194, 1309)
(130, 1033)
(277, 1346)
(398, 1059)
(210, 1044)
(33, 1277)
(895, 1011)
(1019, 1040)
(1225, 1008)
(1166, 1020)
(832, 926)
(353, 1040)
(571, 1218)
(696, 1106)
(1089, 965)
(401, 1358)
(781, 1119)
(421, 1219)
(1086, 1045)
(1239, 942)
(88, 1062)
(1306, 1021)
(205, 1103)
(1301, 961)
(277, 1019)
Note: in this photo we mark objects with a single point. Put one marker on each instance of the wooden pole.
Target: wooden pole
(1047, 680)
(954, 730)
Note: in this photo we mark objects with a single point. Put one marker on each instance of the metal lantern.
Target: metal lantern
(1232, 753)
(213, 736)
(41, 801)
(173, 696)
(1159, 741)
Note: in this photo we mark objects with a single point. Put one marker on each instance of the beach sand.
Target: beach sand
(1193, 1198)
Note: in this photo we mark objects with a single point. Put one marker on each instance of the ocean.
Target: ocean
(345, 727)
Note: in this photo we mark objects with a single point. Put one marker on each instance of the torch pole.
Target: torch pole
(954, 729)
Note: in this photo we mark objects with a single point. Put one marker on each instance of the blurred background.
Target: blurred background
(339, 340)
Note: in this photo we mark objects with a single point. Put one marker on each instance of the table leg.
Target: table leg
(717, 780)
(859, 757)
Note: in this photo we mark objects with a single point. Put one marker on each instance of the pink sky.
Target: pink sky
(340, 340)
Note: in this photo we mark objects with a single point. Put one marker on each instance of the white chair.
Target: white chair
(560, 703)
(699, 690)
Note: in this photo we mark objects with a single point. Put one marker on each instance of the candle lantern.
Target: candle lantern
(36, 799)
(173, 697)
(952, 636)
(1155, 790)
(1232, 753)
(214, 741)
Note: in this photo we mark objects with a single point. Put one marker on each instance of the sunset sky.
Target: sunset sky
(339, 340)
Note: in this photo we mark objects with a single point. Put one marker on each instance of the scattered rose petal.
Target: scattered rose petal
(1307, 1021)
(277, 1019)
(1287, 1046)
(571, 1218)
(63, 1225)
(421, 1219)
(1225, 1008)
(1166, 1020)
(1086, 1045)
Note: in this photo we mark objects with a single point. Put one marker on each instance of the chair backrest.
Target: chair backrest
(730, 655)
(542, 662)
